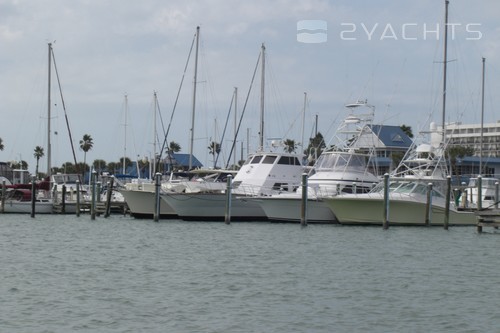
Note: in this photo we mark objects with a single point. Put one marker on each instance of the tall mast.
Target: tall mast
(154, 130)
(125, 135)
(49, 149)
(303, 121)
(445, 62)
(235, 121)
(194, 98)
(262, 89)
(482, 122)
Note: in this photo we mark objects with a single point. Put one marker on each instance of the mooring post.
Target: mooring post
(33, 196)
(303, 210)
(447, 203)
(92, 203)
(496, 195)
(98, 192)
(77, 208)
(63, 200)
(428, 205)
(386, 202)
(156, 215)
(3, 196)
(229, 187)
(108, 197)
(479, 192)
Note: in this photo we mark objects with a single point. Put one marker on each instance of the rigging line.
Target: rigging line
(65, 113)
(244, 108)
(175, 104)
(224, 131)
(161, 118)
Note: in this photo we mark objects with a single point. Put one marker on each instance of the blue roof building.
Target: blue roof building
(384, 141)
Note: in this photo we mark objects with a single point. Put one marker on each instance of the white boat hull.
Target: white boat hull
(290, 209)
(141, 204)
(212, 207)
(369, 209)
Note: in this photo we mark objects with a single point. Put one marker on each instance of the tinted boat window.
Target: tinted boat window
(284, 160)
(256, 159)
(269, 159)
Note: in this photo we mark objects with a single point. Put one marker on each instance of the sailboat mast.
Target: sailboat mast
(154, 130)
(303, 121)
(482, 122)
(262, 89)
(125, 136)
(191, 141)
(445, 63)
(49, 102)
(235, 121)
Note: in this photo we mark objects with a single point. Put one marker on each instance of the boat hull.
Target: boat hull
(212, 207)
(24, 207)
(290, 210)
(369, 209)
(141, 204)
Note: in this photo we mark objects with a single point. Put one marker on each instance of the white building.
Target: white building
(469, 135)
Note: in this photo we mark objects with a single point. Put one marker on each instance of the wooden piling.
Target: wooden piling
(479, 192)
(428, 205)
(98, 192)
(93, 201)
(156, 215)
(496, 195)
(303, 210)
(33, 196)
(4, 193)
(77, 208)
(63, 200)
(447, 204)
(229, 187)
(108, 197)
(385, 222)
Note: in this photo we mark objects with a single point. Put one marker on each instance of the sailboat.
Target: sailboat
(18, 197)
(140, 194)
(263, 173)
(408, 186)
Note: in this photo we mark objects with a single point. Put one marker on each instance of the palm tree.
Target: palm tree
(290, 145)
(38, 154)
(407, 130)
(315, 148)
(86, 144)
(125, 161)
(173, 147)
(1, 144)
(99, 165)
(213, 149)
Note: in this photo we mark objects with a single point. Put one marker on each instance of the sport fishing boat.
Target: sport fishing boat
(408, 192)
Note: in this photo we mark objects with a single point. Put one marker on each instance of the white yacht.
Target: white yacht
(262, 174)
(338, 170)
(408, 190)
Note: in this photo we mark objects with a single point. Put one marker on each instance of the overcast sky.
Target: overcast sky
(389, 52)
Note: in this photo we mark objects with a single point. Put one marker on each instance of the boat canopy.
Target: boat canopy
(341, 161)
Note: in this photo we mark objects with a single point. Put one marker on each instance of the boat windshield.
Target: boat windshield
(406, 188)
(337, 160)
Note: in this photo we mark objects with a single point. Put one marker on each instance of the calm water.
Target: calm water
(67, 274)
